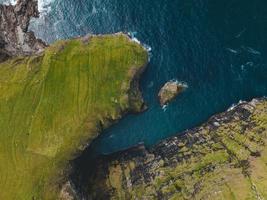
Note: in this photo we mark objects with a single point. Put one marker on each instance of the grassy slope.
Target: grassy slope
(51, 104)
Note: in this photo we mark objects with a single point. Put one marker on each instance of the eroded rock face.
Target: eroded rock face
(15, 39)
(169, 91)
(224, 158)
(68, 192)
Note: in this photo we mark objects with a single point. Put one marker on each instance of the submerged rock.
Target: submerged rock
(169, 91)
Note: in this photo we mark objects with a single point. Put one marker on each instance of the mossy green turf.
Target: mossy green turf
(51, 105)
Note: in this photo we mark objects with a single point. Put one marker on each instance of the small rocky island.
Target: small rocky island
(169, 91)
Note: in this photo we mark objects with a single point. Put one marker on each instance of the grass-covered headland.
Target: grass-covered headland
(52, 105)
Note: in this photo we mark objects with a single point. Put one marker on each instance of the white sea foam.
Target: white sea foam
(94, 10)
(133, 37)
(251, 50)
(164, 107)
(250, 63)
(43, 5)
(235, 104)
(148, 48)
(241, 33)
(232, 50)
(232, 107)
(7, 2)
(181, 83)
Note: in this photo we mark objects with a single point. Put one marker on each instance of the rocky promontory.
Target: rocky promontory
(15, 39)
(56, 99)
(169, 91)
(225, 158)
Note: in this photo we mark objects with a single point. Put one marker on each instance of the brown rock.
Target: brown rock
(15, 39)
(169, 91)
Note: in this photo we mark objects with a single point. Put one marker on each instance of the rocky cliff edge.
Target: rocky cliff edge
(224, 158)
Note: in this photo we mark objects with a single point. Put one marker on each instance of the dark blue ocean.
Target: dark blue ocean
(218, 47)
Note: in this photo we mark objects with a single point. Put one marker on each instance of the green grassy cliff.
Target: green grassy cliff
(53, 105)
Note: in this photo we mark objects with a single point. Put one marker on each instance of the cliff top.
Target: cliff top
(54, 104)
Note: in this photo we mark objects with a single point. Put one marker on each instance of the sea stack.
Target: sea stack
(170, 90)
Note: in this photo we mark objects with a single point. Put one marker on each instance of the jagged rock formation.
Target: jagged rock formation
(169, 91)
(15, 39)
(224, 158)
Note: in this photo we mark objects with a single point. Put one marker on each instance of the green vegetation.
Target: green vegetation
(53, 104)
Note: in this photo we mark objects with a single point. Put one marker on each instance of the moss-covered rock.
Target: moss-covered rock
(224, 158)
(53, 105)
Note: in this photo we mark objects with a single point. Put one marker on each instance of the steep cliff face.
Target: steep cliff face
(15, 39)
(224, 158)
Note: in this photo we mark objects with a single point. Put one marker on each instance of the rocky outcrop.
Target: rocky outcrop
(224, 158)
(15, 39)
(169, 91)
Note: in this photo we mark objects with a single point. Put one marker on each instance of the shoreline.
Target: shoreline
(125, 98)
(143, 167)
(161, 152)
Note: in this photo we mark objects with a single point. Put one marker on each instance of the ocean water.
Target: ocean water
(219, 48)
(43, 5)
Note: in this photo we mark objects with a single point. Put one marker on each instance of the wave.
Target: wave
(164, 108)
(44, 6)
(181, 83)
(8, 2)
(235, 105)
(133, 37)
(148, 48)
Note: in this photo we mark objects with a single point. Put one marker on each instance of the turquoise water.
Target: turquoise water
(219, 48)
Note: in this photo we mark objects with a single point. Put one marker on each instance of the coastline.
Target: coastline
(52, 84)
(186, 165)
(139, 167)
